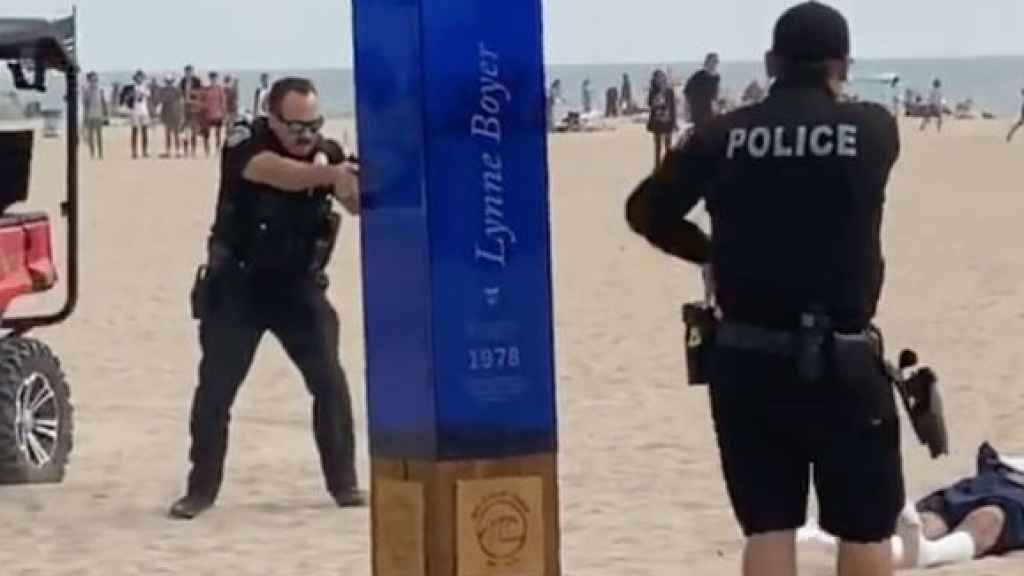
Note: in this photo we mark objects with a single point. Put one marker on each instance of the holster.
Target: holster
(206, 291)
(203, 297)
(325, 241)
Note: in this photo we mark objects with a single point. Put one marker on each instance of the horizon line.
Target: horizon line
(347, 68)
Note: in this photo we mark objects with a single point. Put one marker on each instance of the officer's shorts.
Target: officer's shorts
(775, 433)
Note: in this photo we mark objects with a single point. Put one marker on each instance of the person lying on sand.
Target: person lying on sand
(982, 515)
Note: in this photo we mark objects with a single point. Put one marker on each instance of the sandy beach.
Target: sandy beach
(641, 489)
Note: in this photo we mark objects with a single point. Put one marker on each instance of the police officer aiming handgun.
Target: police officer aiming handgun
(794, 187)
(272, 238)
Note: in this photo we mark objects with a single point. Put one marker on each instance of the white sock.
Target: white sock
(956, 548)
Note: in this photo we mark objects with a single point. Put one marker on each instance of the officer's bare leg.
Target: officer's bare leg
(308, 331)
(874, 559)
(770, 554)
(229, 338)
(135, 141)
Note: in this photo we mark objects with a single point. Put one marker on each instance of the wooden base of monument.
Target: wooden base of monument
(466, 518)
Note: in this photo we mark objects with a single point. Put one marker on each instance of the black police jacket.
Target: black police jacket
(794, 187)
(260, 227)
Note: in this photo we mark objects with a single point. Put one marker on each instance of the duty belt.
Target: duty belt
(740, 336)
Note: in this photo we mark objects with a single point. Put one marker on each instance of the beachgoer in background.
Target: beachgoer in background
(95, 114)
(626, 96)
(895, 87)
(215, 107)
(935, 106)
(259, 104)
(661, 100)
(172, 115)
(611, 102)
(231, 92)
(587, 96)
(554, 98)
(134, 101)
(154, 100)
(702, 92)
(753, 93)
(191, 90)
(1020, 122)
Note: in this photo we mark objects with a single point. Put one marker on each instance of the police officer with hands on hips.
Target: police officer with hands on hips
(795, 188)
(272, 237)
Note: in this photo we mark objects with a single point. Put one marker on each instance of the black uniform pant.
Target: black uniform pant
(298, 314)
(776, 431)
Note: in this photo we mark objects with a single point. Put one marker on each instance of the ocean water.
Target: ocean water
(994, 83)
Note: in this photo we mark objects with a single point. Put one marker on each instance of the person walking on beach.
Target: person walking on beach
(272, 237)
(936, 106)
(95, 114)
(1020, 122)
(662, 122)
(795, 188)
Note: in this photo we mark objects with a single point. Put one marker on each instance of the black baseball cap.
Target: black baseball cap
(811, 32)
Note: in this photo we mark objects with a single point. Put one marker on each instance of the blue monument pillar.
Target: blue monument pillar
(457, 287)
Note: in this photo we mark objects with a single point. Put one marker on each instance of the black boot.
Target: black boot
(350, 498)
(190, 506)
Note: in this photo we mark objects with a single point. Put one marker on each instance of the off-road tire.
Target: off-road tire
(35, 414)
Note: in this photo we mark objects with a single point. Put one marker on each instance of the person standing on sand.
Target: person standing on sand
(626, 96)
(259, 104)
(936, 106)
(215, 106)
(702, 91)
(271, 240)
(191, 90)
(1020, 122)
(135, 99)
(172, 112)
(662, 122)
(95, 114)
(795, 188)
(587, 96)
(231, 93)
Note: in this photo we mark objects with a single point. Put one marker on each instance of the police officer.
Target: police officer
(794, 187)
(271, 239)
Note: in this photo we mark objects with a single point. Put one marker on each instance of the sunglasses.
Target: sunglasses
(299, 128)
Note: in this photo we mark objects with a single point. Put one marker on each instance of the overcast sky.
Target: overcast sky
(162, 34)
